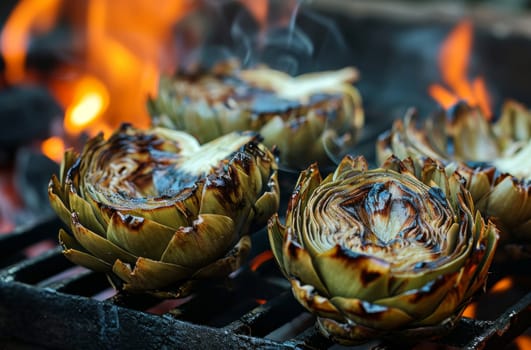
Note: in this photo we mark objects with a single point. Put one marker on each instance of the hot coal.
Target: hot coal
(26, 114)
(32, 174)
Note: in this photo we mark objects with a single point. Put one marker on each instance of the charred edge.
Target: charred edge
(368, 277)
(354, 260)
(133, 223)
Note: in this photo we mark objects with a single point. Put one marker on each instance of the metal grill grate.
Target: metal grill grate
(48, 302)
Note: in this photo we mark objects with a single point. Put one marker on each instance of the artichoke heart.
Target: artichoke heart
(392, 252)
(311, 117)
(156, 211)
(494, 157)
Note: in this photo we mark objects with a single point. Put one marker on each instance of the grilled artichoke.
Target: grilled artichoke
(156, 211)
(313, 117)
(494, 157)
(392, 252)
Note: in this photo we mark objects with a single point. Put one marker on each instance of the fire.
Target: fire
(91, 99)
(28, 16)
(122, 47)
(471, 310)
(260, 259)
(453, 62)
(53, 148)
(502, 285)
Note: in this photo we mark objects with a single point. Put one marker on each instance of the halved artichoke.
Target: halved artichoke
(494, 157)
(395, 252)
(312, 117)
(155, 210)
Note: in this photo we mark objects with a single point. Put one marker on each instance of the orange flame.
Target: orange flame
(53, 148)
(125, 45)
(502, 285)
(90, 100)
(471, 310)
(453, 61)
(260, 259)
(28, 16)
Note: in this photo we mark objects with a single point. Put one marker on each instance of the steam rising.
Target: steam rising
(290, 37)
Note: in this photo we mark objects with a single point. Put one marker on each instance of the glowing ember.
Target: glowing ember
(260, 259)
(453, 64)
(502, 285)
(471, 310)
(53, 148)
(523, 342)
(261, 301)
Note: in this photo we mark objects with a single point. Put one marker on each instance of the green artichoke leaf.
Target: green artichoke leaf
(98, 245)
(298, 263)
(421, 302)
(56, 201)
(88, 216)
(372, 315)
(149, 274)
(276, 232)
(207, 240)
(268, 202)
(138, 235)
(368, 276)
(74, 252)
(229, 263)
(313, 301)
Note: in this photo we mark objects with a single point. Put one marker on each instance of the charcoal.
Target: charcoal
(26, 113)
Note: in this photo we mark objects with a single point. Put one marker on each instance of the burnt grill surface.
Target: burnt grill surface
(48, 302)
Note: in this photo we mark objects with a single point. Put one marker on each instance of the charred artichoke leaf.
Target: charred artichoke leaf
(310, 117)
(377, 252)
(155, 210)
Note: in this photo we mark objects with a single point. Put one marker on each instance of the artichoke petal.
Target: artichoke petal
(267, 203)
(313, 301)
(298, 263)
(171, 216)
(308, 180)
(86, 214)
(210, 237)
(421, 302)
(139, 235)
(372, 315)
(56, 201)
(231, 262)
(87, 260)
(276, 232)
(149, 274)
(74, 252)
(368, 276)
(97, 245)
(505, 200)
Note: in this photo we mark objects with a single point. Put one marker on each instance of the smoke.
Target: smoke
(289, 37)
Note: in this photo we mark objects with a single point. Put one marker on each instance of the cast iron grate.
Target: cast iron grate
(47, 302)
